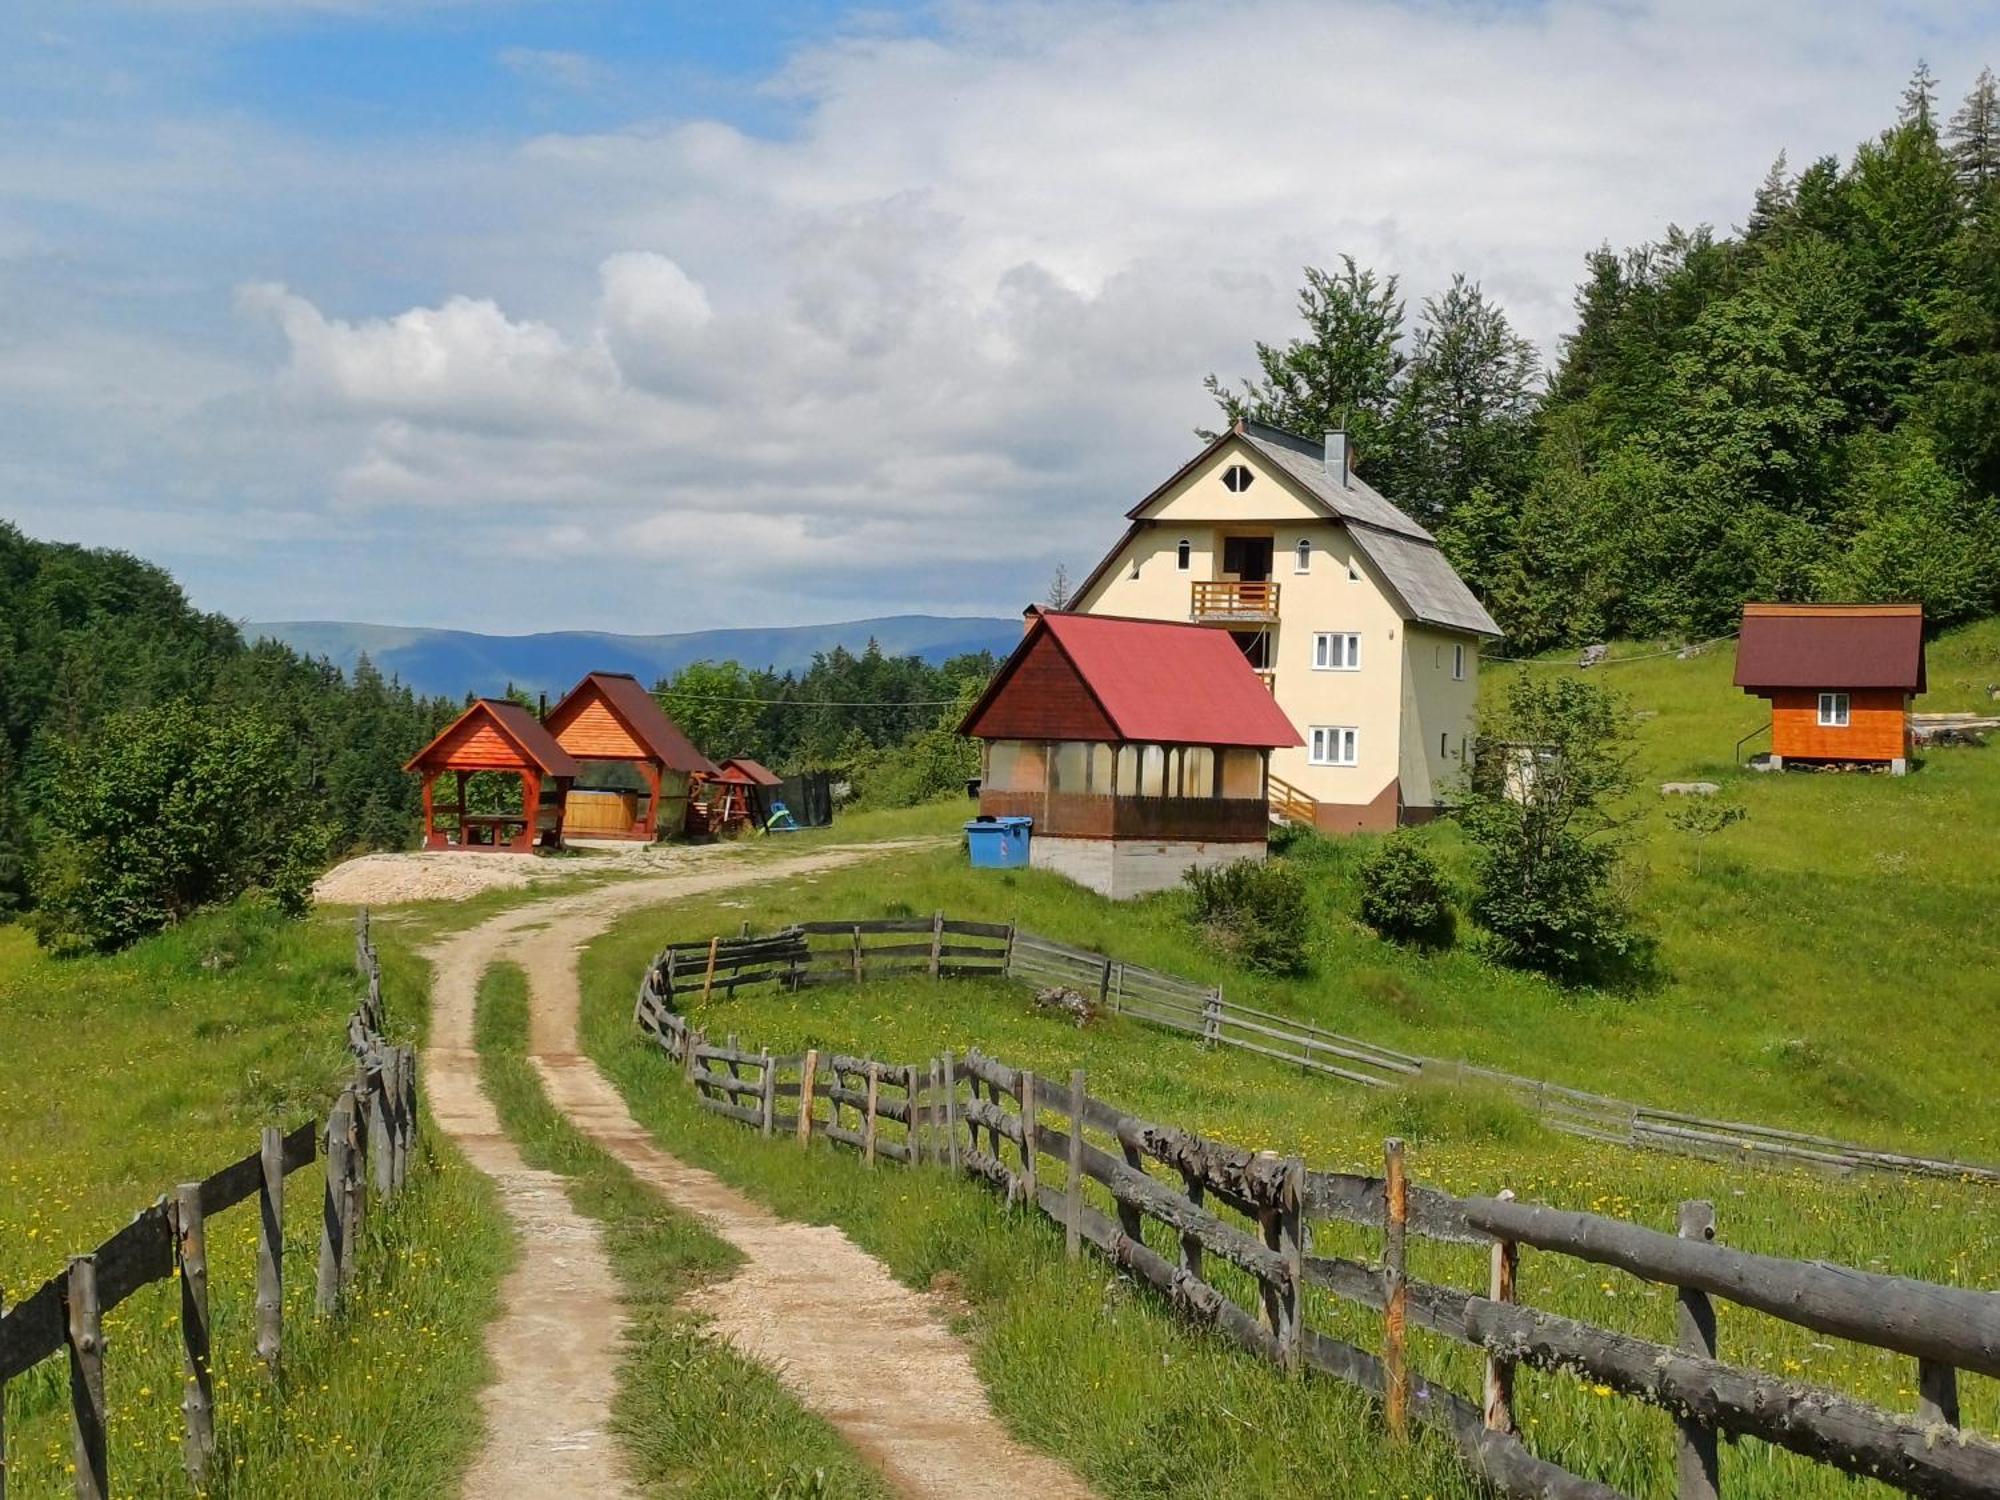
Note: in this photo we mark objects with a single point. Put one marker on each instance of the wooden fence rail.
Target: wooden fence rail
(813, 953)
(373, 1123)
(1233, 1249)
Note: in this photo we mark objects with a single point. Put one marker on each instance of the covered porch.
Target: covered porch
(494, 736)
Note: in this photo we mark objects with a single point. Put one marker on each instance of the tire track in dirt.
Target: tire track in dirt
(873, 1357)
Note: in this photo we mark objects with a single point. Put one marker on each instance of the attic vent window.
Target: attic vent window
(1236, 479)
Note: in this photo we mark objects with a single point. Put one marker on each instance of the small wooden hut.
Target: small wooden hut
(496, 735)
(609, 716)
(1137, 747)
(1840, 678)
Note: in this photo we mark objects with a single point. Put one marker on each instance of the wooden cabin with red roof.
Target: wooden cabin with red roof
(610, 717)
(1138, 748)
(1840, 678)
(496, 735)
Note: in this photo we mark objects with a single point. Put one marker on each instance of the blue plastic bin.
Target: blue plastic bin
(998, 843)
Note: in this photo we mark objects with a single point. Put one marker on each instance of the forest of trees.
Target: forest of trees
(1808, 408)
(101, 661)
(889, 723)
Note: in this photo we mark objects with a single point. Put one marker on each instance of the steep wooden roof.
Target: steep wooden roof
(755, 773)
(1831, 646)
(494, 734)
(639, 713)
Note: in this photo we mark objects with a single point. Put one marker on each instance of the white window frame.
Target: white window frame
(1330, 655)
(1334, 745)
(1302, 556)
(1458, 661)
(1836, 710)
(1183, 555)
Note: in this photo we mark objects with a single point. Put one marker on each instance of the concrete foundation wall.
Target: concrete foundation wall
(1126, 868)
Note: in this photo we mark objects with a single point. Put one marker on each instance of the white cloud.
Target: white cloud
(953, 320)
(575, 71)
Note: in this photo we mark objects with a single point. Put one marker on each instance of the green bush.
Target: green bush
(1403, 893)
(1253, 911)
(165, 811)
(1552, 763)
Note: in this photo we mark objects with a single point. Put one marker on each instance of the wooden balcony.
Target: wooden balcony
(1224, 603)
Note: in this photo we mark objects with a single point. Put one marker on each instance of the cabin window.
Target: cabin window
(1335, 745)
(1353, 573)
(1197, 771)
(1013, 766)
(1135, 567)
(1184, 555)
(1302, 556)
(1336, 651)
(1458, 660)
(1442, 752)
(1069, 767)
(1242, 773)
(1236, 479)
(1833, 710)
(1152, 779)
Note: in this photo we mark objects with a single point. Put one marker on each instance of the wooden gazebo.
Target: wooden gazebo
(609, 716)
(496, 735)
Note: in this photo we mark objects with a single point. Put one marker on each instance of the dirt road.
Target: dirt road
(873, 1357)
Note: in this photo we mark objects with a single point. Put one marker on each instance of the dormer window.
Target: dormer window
(1302, 556)
(1184, 555)
(1237, 478)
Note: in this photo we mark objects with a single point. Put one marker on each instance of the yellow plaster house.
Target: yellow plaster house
(1365, 634)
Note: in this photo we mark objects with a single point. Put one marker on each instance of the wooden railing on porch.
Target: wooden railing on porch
(1234, 601)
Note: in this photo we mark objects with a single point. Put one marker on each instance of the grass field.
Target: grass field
(121, 1077)
(695, 1419)
(1087, 1383)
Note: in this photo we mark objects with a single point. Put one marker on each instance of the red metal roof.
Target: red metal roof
(1831, 646)
(1159, 682)
(645, 718)
(537, 746)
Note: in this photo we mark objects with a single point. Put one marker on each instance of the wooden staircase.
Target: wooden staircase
(1290, 805)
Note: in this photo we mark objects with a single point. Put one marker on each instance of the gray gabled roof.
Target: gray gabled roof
(1419, 577)
(1304, 461)
(1424, 581)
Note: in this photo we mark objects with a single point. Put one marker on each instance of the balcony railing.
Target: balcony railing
(1235, 601)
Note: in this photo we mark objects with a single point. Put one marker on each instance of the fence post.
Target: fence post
(1695, 1320)
(85, 1325)
(406, 1143)
(854, 957)
(807, 1081)
(1395, 1222)
(1104, 985)
(1031, 1141)
(950, 1116)
(271, 1250)
(937, 943)
(359, 1129)
(1937, 1393)
(688, 1055)
(912, 1140)
(1499, 1393)
(1073, 1183)
(1211, 1017)
(333, 1217)
(198, 1382)
(767, 1100)
(1007, 963)
(1291, 1243)
(868, 1120)
(1132, 1221)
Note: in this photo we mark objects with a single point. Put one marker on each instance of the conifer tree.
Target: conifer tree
(1974, 138)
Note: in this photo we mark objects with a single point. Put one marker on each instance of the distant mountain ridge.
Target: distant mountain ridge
(453, 663)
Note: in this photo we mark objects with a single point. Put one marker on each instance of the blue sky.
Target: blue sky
(523, 316)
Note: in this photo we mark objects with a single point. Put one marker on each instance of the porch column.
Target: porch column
(430, 777)
(653, 779)
(531, 807)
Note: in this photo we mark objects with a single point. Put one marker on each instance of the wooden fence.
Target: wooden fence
(1233, 1249)
(834, 952)
(369, 1136)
